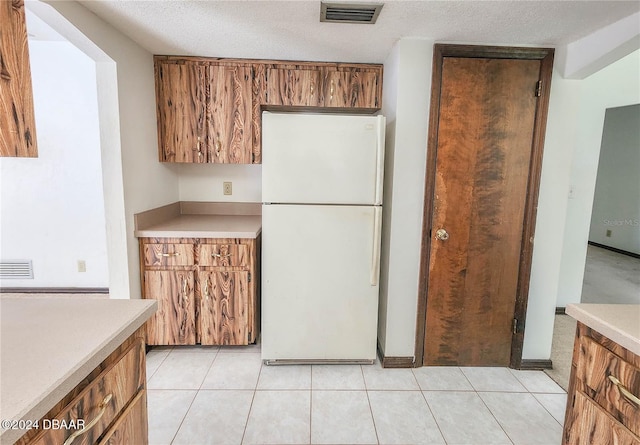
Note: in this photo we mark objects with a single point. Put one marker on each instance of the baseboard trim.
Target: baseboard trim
(395, 362)
(54, 290)
(536, 364)
(615, 249)
(561, 310)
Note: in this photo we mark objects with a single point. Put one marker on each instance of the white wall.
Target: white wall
(203, 182)
(134, 180)
(616, 203)
(614, 86)
(550, 219)
(52, 206)
(407, 88)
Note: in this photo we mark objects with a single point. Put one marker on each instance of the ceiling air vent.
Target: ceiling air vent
(16, 269)
(349, 12)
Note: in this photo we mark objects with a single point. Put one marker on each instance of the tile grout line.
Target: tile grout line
(195, 396)
(486, 406)
(157, 367)
(253, 397)
(373, 419)
(429, 408)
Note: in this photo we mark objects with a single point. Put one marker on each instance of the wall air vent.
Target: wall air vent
(16, 269)
(349, 12)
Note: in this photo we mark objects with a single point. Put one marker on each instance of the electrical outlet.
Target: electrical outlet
(227, 188)
(608, 234)
(82, 266)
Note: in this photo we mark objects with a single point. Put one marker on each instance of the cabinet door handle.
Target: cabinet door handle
(103, 408)
(625, 392)
(170, 254)
(219, 255)
(332, 89)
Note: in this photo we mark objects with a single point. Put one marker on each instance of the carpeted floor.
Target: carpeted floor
(564, 332)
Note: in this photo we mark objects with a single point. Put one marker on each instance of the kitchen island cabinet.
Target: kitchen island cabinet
(603, 401)
(75, 362)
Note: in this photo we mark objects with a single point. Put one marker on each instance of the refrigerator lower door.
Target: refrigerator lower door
(320, 268)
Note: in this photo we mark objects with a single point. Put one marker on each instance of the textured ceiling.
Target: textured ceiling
(292, 30)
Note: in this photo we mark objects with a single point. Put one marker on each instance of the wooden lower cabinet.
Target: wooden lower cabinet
(174, 323)
(131, 427)
(211, 301)
(111, 402)
(602, 401)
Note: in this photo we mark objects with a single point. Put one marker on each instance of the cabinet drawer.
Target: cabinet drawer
(167, 255)
(224, 255)
(592, 425)
(101, 402)
(131, 427)
(611, 382)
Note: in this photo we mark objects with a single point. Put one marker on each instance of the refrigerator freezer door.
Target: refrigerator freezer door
(322, 158)
(319, 282)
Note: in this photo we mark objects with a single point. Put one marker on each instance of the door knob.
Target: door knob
(442, 235)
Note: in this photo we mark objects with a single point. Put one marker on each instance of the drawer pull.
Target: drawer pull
(219, 255)
(103, 408)
(625, 392)
(170, 254)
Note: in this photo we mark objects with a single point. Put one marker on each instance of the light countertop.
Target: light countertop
(50, 344)
(618, 322)
(205, 226)
(187, 219)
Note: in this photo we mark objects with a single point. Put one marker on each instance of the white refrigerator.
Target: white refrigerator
(321, 227)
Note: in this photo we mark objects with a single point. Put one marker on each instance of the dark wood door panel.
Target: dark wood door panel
(485, 130)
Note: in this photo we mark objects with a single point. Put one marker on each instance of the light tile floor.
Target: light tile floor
(211, 395)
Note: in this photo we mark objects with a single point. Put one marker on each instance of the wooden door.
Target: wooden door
(229, 122)
(485, 130)
(293, 87)
(17, 119)
(350, 89)
(181, 102)
(224, 307)
(174, 321)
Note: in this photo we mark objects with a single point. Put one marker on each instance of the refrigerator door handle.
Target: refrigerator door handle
(380, 160)
(375, 260)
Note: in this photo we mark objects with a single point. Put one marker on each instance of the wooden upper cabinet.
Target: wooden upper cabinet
(181, 107)
(293, 87)
(209, 110)
(229, 122)
(17, 120)
(352, 89)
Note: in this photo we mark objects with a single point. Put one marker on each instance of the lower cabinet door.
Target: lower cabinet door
(174, 321)
(590, 424)
(224, 307)
(131, 427)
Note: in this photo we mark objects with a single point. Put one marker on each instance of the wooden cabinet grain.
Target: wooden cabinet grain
(209, 297)
(111, 401)
(17, 119)
(209, 109)
(204, 112)
(602, 401)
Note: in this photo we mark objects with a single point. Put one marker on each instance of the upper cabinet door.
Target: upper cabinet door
(293, 87)
(351, 89)
(181, 102)
(17, 121)
(229, 122)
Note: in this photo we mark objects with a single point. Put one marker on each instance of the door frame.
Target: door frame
(440, 51)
